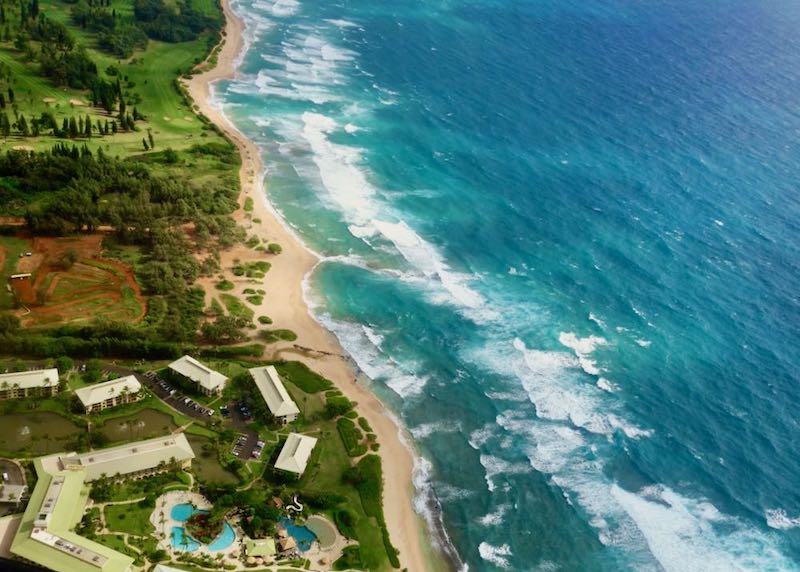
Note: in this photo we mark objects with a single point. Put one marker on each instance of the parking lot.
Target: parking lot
(175, 398)
(237, 420)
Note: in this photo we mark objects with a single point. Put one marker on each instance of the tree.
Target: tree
(5, 125)
(22, 125)
(150, 139)
(87, 127)
(2, 101)
(144, 143)
(10, 95)
(73, 128)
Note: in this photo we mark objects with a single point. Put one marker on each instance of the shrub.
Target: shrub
(274, 248)
(264, 320)
(225, 285)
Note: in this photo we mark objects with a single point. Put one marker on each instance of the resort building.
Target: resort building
(133, 460)
(263, 547)
(37, 383)
(45, 535)
(278, 400)
(208, 381)
(110, 393)
(294, 456)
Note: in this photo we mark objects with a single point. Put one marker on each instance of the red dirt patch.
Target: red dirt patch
(91, 287)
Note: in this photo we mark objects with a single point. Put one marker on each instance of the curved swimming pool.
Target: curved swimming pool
(180, 540)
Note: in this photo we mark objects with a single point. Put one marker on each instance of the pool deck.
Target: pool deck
(161, 518)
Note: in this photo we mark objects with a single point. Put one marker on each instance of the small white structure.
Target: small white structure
(42, 382)
(208, 381)
(278, 400)
(132, 460)
(294, 456)
(110, 393)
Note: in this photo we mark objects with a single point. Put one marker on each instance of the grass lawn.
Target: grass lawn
(129, 518)
(12, 247)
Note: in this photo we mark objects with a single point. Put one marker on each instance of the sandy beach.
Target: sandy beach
(285, 304)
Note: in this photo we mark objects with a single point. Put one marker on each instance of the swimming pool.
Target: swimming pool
(182, 541)
(304, 537)
(182, 512)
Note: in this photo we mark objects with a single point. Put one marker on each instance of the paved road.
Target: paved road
(238, 423)
(177, 400)
(15, 475)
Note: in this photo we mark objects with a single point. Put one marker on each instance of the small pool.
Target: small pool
(304, 537)
(182, 541)
(224, 540)
(182, 512)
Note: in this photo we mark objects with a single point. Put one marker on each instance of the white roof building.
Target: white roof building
(278, 400)
(30, 379)
(207, 378)
(130, 458)
(294, 456)
(98, 393)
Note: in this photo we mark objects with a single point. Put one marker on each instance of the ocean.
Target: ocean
(561, 239)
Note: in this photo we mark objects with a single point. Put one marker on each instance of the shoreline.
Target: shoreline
(285, 304)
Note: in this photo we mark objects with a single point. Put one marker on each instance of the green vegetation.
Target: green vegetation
(225, 285)
(367, 477)
(299, 374)
(274, 248)
(255, 299)
(132, 518)
(351, 437)
(236, 308)
(266, 320)
(256, 270)
(11, 249)
(248, 204)
(271, 336)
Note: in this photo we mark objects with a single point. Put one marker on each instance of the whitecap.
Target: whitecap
(495, 518)
(497, 555)
(779, 519)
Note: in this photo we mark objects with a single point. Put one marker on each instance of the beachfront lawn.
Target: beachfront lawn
(130, 518)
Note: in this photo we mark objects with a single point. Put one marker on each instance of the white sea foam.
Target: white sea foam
(427, 429)
(350, 128)
(426, 258)
(372, 336)
(479, 437)
(342, 23)
(583, 348)
(377, 365)
(681, 536)
(495, 517)
(285, 8)
(606, 385)
(497, 467)
(596, 320)
(643, 343)
(779, 519)
(497, 555)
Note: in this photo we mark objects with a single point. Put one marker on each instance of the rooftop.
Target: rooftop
(30, 379)
(273, 391)
(260, 547)
(130, 458)
(189, 367)
(99, 392)
(295, 453)
(44, 535)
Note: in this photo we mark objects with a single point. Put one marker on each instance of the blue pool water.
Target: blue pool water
(301, 534)
(182, 512)
(224, 540)
(182, 541)
(561, 237)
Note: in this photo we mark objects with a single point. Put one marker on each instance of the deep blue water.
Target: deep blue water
(561, 237)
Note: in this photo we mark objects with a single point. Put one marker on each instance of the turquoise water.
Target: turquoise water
(182, 541)
(304, 537)
(182, 512)
(224, 540)
(561, 237)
